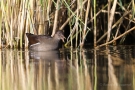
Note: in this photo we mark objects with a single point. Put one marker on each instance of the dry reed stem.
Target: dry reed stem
(111, 16)
(118, 28)
(76, 23)
(85, 26)
(0, 25)
(22, 17)
(119, 21)
(97, 13)
(126, 32)
(66, 22)
(129, 20)
(73, 14)
(95, 26)
(1, 66)
(18, 18)
(48, 8)
(56, 18)
(70, 39)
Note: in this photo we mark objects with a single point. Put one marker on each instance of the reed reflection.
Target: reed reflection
(60, 73)
(25, 70)
(67, 70)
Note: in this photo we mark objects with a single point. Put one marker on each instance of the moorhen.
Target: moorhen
(44, 42)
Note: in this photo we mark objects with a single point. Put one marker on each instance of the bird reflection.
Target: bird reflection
(48, 55)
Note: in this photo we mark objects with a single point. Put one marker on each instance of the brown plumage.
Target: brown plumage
(44, 42)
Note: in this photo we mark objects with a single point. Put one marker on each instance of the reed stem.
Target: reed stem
(95, 28)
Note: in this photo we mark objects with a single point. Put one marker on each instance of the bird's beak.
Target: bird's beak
(62, 38)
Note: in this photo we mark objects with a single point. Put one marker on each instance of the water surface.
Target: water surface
(107, 68)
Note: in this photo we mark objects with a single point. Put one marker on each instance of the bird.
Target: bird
(45, 42)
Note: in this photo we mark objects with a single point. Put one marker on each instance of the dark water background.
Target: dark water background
(106, 68)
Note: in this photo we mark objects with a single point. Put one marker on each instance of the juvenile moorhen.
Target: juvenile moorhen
(44, 42)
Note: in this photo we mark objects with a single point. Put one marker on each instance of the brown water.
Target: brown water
(109, 68)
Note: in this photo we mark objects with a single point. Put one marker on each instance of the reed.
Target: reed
(100, 20)
(0, 24)
(95, 27)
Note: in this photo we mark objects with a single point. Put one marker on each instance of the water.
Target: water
(107, 68)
